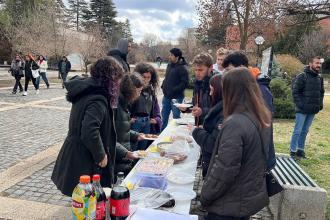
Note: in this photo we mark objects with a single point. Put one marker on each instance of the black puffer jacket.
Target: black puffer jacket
(206, 136)
(176, 80)
(308, 92)
(235, 184)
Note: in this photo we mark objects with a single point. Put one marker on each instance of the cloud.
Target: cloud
(166, 19)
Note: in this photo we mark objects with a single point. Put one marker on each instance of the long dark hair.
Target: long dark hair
(142, 68)
(107, 71)
(129, 85)
(215, 82)
(241, 93)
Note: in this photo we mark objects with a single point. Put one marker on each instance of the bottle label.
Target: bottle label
(92, 207)
(119, 208)
(100, 210)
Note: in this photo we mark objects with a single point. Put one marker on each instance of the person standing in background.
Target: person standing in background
(64, 67)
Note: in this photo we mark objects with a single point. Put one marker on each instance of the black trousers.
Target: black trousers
(211, 216)
(28, 78)
(18, 84)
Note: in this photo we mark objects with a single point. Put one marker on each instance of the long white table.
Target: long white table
(189, 166)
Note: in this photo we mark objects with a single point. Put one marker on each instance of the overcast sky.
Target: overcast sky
(164, 18)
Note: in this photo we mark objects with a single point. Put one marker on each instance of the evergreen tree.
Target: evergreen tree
(127, 33)
(76, 9)
(104, 13)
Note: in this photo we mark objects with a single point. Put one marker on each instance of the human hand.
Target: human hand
(141, 137)
(104, 162)
(133, 120)
(196, 111)
(153, 121)
(132, 156)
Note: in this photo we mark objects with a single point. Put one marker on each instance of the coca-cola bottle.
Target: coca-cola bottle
(100, 198)
(119, 200)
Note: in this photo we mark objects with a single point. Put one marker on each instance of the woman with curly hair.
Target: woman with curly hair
(90, 146)
(145, 110)
(130, 89)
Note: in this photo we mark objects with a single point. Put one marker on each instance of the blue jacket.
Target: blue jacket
(268, 99)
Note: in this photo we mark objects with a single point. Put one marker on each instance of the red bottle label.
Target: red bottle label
(119, 208)
(100, 211)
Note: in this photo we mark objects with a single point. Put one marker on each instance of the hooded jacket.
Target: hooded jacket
(120, 54)
(91, 136)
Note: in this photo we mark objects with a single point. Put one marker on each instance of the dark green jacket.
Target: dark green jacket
(125, 135)
(91, 135)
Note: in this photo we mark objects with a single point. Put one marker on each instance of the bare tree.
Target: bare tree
(251, 16)
(314, 44)
(91, 46)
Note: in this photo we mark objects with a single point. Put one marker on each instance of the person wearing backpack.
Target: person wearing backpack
(308, 93)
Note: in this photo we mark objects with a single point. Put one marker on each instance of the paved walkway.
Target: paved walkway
(32, 130)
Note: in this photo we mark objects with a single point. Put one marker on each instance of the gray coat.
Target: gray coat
(235, 184)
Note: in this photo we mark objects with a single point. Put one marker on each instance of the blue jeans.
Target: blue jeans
(166, 110)
(141, 125)
(303, 122)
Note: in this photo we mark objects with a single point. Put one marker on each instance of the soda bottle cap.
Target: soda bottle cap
(96, 177)
(85, 179)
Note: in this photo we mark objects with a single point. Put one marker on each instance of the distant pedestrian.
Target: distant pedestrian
(30, 65)
(120, 53)
(308, 94)
(64, 67)
(175, 82)
(16, 70)
(42, 62)
(159, 61)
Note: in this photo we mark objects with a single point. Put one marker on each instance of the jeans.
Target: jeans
(303, 122)
(27, 81)
(141, 125)
(63, 76)
(211, 216)
(44, 77)
(166, 110)
(18, 84)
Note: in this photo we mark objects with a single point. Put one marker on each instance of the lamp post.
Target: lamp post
(259, 40)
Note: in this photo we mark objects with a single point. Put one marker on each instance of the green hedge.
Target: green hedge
(283, 102)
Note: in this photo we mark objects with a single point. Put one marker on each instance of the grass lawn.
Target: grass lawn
(317, 147)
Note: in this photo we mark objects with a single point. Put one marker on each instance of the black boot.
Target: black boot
(301, 153)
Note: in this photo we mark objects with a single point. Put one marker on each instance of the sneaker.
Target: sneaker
(13, 92)
(48, 87)
(301, 153)
(24, 93)
(20, 91)
(37, 91)
(292, 154)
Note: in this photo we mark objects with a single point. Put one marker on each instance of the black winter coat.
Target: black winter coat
(121, 58)
(235, 184)
(67, 66)
(29, 66)
(205, 137)
(91, 135)
(202, 98)
(308, 92)
(176, 80)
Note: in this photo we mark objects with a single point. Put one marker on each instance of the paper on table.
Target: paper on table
(151, 214)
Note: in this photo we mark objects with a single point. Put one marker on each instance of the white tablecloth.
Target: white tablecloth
(188, 166)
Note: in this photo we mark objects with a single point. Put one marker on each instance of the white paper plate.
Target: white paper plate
(185, 121)
(180, 178)
(182, 105)
(181, 194)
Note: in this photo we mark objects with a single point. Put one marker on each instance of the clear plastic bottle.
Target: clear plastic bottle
(83, 200)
